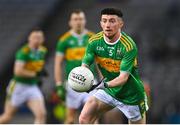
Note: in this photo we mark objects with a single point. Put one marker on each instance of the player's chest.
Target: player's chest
(36, 55)
(78, 42)
(113, 52)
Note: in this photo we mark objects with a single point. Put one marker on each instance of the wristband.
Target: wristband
(59, 83)
(106, 84)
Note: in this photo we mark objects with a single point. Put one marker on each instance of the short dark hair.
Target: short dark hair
(36, 29)
(112, 11)
(76, 11)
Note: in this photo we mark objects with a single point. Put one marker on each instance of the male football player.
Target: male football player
(116, 55)
(71, 48)
(23, 88)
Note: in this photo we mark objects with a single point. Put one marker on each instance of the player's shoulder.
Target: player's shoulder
(127, 41)
(90, 33)
(24, 49)
(65, 36)
(43, 49)
(96, 37)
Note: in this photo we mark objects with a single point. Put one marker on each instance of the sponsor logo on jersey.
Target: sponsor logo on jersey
(34, 65)
(109, 64)
(75, 53)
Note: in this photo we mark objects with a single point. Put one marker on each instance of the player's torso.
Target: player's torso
(75, 49)
(35, 59)
(109, 58)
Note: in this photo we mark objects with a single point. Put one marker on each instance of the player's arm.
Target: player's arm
(20, 62)
(98, 71)
(120, 80)
(59, 58)
(89, 56)
(125, 68)
(19, 70)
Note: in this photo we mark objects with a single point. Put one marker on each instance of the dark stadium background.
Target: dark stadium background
(154, 25)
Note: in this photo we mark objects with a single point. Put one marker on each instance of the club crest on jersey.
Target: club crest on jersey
(119, 54)
(71, 42)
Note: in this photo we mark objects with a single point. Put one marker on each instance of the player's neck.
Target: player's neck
(32, 46)
(78, 33)
(113, 39)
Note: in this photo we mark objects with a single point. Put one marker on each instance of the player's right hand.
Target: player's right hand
(61, 92)
(42, 73)
(101, 85)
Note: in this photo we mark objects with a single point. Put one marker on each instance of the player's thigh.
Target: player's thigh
(10, 106)
(10, 110)
(73, 98)
(113, 116)
(71, 115)
(94, 107)
(134, 113)
(35, 101)
(37, 106)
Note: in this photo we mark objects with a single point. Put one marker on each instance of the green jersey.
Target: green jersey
(34, 61)
(73, 47)
(113, 58)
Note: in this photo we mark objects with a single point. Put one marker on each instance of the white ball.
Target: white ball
(80, 79)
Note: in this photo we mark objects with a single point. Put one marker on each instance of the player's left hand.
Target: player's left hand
(61, 92)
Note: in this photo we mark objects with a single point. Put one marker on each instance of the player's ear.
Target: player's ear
(29, 37)
(85, 21)
(101, 24)
(121, 23)
(70, 24)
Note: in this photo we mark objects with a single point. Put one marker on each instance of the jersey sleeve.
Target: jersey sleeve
(128, 60)
(21, 56)
(61, 47)
(89, 55)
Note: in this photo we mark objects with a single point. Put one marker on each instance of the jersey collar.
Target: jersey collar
(78, 35)
(113, 42)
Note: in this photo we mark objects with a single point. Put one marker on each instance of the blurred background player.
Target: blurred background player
(23, 88)
(71, 48)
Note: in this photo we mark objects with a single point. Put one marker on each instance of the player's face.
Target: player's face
(77, 22)
(111, 24)
(36, 38)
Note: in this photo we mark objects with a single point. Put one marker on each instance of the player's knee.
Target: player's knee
(83, 119)
(41, 116)
(8, 117)
(69, 120)
(87, 119)
(5, 118)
